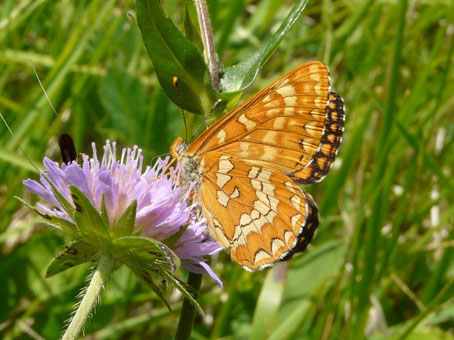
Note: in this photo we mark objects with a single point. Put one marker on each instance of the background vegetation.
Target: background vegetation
(382, 263)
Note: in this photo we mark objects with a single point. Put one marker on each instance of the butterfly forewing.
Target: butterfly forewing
(331, 138)
(258, 214)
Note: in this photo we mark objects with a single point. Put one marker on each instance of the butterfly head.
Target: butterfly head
(189, 163)
(178, 149)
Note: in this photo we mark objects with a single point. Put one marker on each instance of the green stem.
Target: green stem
(188, 311)
(90, 298)
(224, 314)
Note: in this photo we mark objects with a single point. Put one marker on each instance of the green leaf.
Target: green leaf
(319, 264)
(76, 253)
(145, 274)
(126, 102)
(125, 223)
(28, 205)
(173, 55)
(269, 301)
(238, 77)
(429, 333)
(104, 215)
(185, 289)
(171, 240)
(89, 221)
(190, 30)
(146, 251)
(62, 224)
(137, 244)
(138, 231)
(67, 206)
(53, 220)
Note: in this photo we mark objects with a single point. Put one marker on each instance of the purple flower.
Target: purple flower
(163, 208)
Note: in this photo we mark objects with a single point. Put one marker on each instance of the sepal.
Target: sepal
(76, 253)
(53, 220)
(144, 251)
(88, 220)
(125, 224)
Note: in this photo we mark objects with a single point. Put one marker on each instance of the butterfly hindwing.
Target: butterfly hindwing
(261, 216)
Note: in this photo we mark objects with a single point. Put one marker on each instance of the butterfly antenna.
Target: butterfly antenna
(157, 156)
(175, 85)
(20, 147)
(42, 87)
(205, 119)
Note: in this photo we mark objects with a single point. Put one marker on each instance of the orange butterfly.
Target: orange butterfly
(247, 166)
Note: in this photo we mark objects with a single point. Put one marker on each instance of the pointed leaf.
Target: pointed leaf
(240, 76)
(67, 206)
(190, 31)
(62, 224)
(185, 289)
(137, 244)
(125, 223)
(28, 205)
(88, 220)
(171, 240)
(145, 275)
(138, 231)
(173, 55)
(144, 250)
(104, 215)
(53, 220)
(77, 253)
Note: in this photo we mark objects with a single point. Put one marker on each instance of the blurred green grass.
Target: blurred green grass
(381, 264)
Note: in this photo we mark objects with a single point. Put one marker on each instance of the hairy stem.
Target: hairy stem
(90, 298)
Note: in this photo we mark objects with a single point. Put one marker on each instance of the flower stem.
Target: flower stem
(90, 298)
(206, 32)
(188, 311)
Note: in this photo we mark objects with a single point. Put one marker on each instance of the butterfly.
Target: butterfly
(248, 164)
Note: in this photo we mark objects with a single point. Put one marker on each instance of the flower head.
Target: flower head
(163, 208)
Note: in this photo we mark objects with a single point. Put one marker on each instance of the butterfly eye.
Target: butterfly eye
(180, 147)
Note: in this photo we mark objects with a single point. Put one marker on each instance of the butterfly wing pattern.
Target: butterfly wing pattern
(249, 163)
